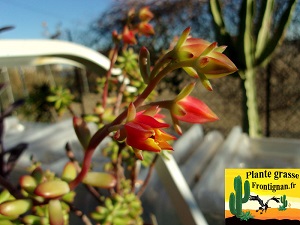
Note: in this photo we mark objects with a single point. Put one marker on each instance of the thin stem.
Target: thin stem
(134, 173)
(160, 63)
(71, 110)
(80, 214)
(108, 75)
(71, 156)
(119, 170)
(150, 171)
(120, 96)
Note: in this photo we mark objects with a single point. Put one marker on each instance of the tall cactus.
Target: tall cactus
(284, 203)
(252, 47)
(236, 200)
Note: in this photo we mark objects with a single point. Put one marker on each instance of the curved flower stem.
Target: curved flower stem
(104, 131)
(108, 75)
(160, 63)
(71, 156)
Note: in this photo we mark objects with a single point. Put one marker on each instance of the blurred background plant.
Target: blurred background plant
(261, 29)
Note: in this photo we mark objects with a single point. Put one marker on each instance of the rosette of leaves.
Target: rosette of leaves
(61, 98)
(120, 209)
(37, 107)
(128, 61)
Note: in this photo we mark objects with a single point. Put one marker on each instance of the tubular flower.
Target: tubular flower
(145, 14)
(146, 29)
(144, 132)
(190, 109)
(210, 62)
(129, 36)
(193, 110)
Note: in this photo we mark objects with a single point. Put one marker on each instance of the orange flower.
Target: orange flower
(144, 132)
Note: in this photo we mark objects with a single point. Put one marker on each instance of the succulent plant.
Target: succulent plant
(120, 209)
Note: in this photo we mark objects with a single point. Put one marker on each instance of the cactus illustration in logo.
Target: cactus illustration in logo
(236, 200)
(284, 203)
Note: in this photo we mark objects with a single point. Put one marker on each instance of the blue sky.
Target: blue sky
(28, 15)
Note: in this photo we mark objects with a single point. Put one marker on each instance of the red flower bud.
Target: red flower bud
(145, 29)
(129, 36)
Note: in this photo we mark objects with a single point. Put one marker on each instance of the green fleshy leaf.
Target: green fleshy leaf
(32, 219)
(6, 222)
(56, 216)
(100, 180)
(69, 172)
(28, 183)
(52, 189)
(4, 196)
(15, 207)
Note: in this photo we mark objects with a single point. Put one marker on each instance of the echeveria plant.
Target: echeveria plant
(130, 116)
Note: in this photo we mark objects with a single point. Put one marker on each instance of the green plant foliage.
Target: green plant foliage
(120, 209)
(128, 61)
(236, 200)
(36, 107)
(258, 37)
(246, 216)
(128, 156)
(61, 98)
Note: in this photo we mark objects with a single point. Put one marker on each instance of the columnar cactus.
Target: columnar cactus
(236, 200)
(252, 47)
(284, 203)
